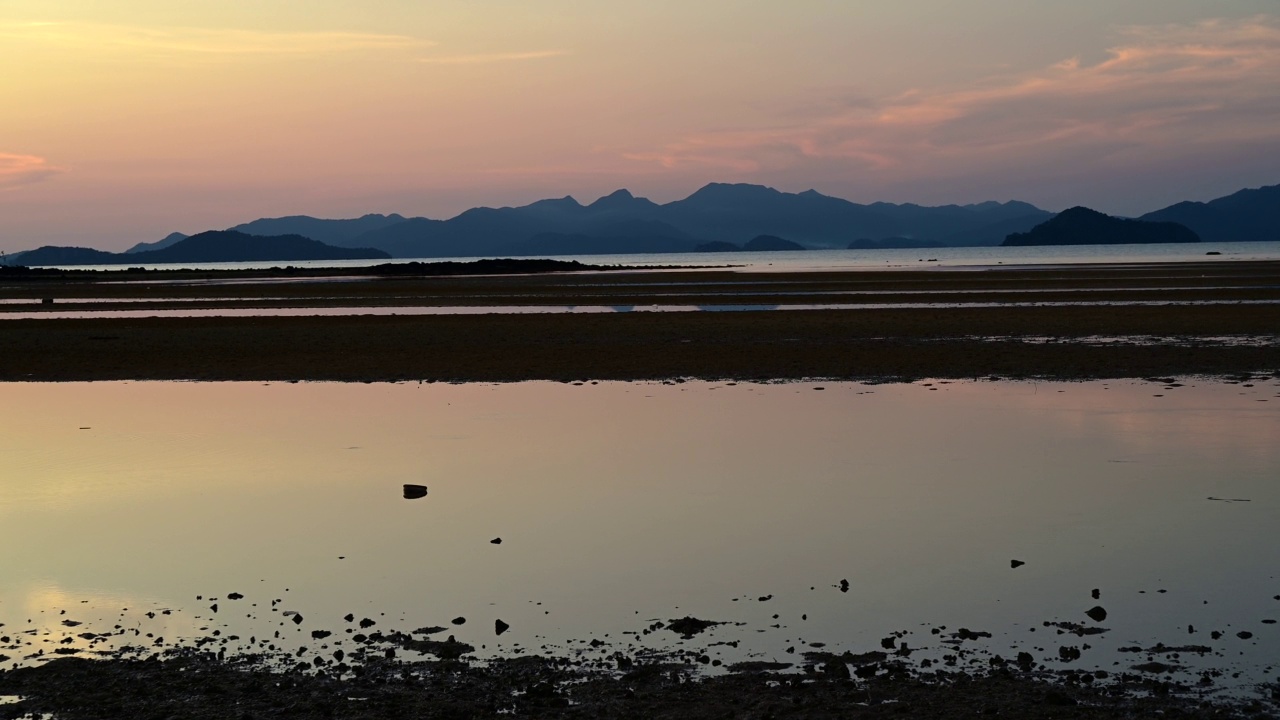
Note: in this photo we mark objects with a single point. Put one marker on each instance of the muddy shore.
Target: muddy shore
(1068, 323)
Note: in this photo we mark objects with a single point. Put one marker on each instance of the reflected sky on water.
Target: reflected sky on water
(620, 503)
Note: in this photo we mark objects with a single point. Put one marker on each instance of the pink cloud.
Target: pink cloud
(1160, 90)
(16, 170)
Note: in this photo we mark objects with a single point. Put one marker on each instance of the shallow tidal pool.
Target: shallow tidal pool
(810, 515)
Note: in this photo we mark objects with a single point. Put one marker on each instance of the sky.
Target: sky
(121, 122)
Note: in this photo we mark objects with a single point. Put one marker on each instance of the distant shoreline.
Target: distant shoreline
(960, 324)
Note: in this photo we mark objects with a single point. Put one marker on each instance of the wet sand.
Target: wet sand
(1218, 318)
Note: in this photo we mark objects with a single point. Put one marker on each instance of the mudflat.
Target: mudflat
(1067, 322)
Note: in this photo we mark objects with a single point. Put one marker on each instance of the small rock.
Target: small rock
(235, 596)
(1096, 613)
(844, 586)
(413, 492)
(500, 627)
(367, 623)
(1097, 593)
(496, 541)
(1244, 634)
(459, 620)
(297, 618)
(1016, 563)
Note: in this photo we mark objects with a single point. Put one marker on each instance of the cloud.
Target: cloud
(492, 57)
(1159, 90)
(17, 170)
(211, 42)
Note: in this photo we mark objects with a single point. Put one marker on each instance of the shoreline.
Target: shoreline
(1193, 319)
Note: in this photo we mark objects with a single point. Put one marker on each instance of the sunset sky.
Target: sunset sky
(121, 122)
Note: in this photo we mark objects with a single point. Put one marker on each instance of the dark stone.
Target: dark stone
(844, 586)
(1016, 563)
(1244, 634)
(1096, 613)
(496, 541)
(413, 492)
(234, 596)
(1097, 593)
(459, 620)
(500, 627)
(367, 623)
(297, 618)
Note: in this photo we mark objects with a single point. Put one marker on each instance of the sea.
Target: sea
(820, 260)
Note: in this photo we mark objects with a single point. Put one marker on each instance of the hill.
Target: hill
(1082, 226)
(1247, 215)
(207, 247)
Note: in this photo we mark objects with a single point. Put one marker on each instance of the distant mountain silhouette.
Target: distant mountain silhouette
(770, 243)
(168, 240)
(1082, 226)
(206, 247)
(716, 217)
(60, 255)
(341, 233)
(1244, 216)
(716, 213)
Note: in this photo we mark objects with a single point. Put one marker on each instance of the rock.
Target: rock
(235, 596)
(500, 627)
(349, 617)
(1096, 613)
(1096, 593)
(496, 541)
(459, 620)
(366, 623)
(413, 492)
(689, 626)
(1016, 563)
(1244, 634)
(297, 618)
(844, 586)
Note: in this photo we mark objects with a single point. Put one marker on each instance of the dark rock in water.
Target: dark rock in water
(1016, 563)
(234, 596)
(1096, 613)
(688, 626)
(496, 541)
(413, 492)
(1215, 635)
(459, 620)
(366, 623)
(1068, 653)
(320, 634)
(844, 586)
(214, 607)
(1096, 593)
(349, 617)
(297, 618)
(1025, 661)
(1244, 634)
(500, 627)
(765, 598)
(889, 643)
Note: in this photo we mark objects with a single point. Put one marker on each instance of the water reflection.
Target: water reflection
(619, 503)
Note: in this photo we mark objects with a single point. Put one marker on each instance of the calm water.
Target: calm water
(618, 504)
(863, 259)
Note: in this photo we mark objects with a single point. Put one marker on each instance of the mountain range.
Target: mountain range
(206, 247)
(717, 216)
